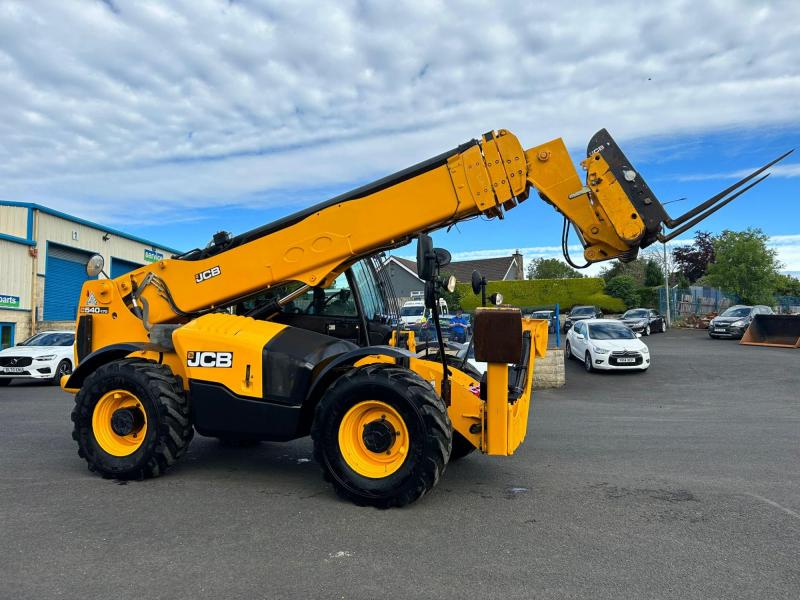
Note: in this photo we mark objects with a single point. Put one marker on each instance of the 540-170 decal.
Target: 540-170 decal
(220, 360)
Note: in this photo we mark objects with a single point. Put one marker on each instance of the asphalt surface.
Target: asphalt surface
(683, 482)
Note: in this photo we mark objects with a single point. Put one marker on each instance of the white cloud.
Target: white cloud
(200, 102)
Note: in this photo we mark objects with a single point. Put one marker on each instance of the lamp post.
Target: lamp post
(666, 273)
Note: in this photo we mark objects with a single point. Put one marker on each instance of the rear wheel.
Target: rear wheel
(131, 420)
(382, 436)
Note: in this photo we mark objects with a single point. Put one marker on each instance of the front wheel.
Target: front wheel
(647, 330)
(131, 419)
(382, 436)
(587, 363)
(63, 368)
(568, 350)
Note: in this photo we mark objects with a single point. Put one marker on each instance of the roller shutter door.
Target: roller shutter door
(120, 267)
(65, 274)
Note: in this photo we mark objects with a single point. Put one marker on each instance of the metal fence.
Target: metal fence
(701, 300)
(695, 300)
(787, 305)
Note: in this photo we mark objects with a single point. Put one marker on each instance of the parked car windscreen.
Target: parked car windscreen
(610, 331)
(412, 311)
(50, 339)
(733, 311)
(580, 311)
(635, 314)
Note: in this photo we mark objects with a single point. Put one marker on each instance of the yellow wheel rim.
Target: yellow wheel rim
(385, 451)
(110, 440)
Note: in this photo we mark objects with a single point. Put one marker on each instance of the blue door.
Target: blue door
(120, 267)
(64, 277)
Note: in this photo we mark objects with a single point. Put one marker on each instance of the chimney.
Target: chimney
(517, 256)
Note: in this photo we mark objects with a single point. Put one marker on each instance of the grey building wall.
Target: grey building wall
(403, 281)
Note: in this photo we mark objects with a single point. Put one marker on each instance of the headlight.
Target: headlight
(645, 350)
(599, 350)
(45, 357)
(643, 322)
(739, 324)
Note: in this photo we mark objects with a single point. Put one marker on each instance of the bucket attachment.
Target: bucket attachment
(780, 331)
(651, 211)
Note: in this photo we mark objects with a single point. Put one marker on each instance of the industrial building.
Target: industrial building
(43, 253)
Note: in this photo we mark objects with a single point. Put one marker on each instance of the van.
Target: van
(414, 311)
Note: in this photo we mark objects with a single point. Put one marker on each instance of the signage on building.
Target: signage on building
(152, 255)
(9, 301)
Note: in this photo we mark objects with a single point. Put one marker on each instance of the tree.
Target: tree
(653, 275)
(693, 260)
(551, 268)
(786, 285)
(745, 266)
(634, 269)
(624, 288)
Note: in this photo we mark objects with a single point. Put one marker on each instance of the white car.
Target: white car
(47, 355)
(608, 345)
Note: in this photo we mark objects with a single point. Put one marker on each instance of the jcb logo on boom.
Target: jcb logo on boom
(220, 360)
(207, 274)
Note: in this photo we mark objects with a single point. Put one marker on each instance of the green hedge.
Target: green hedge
(545, 292)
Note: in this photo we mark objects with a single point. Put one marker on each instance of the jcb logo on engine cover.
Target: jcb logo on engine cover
(220, 360)
(207, 274)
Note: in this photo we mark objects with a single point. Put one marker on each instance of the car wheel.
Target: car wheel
(568, 350)
(663, 326)
(63, 368)
(587, 363)
(647, 329)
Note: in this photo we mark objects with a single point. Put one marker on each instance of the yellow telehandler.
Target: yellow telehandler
(292, 328)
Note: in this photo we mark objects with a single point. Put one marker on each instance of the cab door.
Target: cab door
(332, 311)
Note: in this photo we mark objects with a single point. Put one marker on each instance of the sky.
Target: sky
(175, 120)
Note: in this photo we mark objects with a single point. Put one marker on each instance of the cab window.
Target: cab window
(368, 291)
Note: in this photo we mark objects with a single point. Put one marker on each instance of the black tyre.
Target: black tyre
(5, 381)
(131, 420)
(63, 368)
(568, 350)
(587, 363)
(360, 429)
(647, 329)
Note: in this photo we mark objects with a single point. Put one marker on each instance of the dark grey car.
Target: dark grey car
(735, 320)
(579, 313)
(644, 321)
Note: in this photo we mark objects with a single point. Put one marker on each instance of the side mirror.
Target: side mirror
(443, 257)
(95, 265)
(477, 282)
(426, 258)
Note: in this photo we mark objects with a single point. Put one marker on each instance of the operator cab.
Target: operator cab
(359, 306)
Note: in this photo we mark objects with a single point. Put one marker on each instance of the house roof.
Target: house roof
(494, 269)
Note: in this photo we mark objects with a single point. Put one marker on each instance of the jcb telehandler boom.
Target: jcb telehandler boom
(288, 329)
